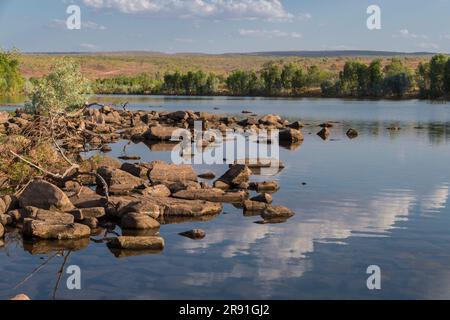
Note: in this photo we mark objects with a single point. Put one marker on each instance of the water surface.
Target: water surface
(380, 199)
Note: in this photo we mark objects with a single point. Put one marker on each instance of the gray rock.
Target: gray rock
(44, 195)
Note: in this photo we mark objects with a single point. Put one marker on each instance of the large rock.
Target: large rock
(236, 175)
(141, 206)
(47, 215)
(46, 230)
(44, 195)
(290, 136)
(212, 194)
(276, 212)
(270, 119)
(162, 171)
(86, 198)
(119, 181)
(137, 243)
(159, 133)
(159, 190)
(2, 207)
(137, 170)
(87, 213)
(138, 221)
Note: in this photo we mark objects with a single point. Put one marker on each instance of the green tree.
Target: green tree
(11, 80)
(271, 74)
(437, 71)
(375, 79)
(61, 91)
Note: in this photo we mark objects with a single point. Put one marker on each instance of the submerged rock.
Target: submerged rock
(212, 194)
(44, 195)
(137, 243)
(195, 234)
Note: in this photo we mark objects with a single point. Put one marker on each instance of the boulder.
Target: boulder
(46, 230)
(142, 206)
(182, 185)
(162, 171)
(270, 119)
(160, 133)
(275, 212)
(91, 222)
(86, 198)
(254, 206)
(297, 125)
(136, 170)
(138, 221)
(44, 195)
(213, 195)
(47, 215)
(159, 190)
(119, 181)
(237, 174)
(195, 234)
(85, 213)
(137, 243)
(290, 135)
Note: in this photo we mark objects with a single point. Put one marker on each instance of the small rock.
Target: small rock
(2, 231)
(324, 133)
(20, 297)
(265, 198)
(297, 125)
(265, 186)
(254, 206)
(105, 148)
(5, 219)
(352, 133)
(195, 234)
(132, 157)
(207, 175)
(91, 222)
(290, 135)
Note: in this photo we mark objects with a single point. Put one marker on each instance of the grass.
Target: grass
(106, 65)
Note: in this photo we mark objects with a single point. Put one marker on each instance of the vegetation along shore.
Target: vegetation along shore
(426, 77)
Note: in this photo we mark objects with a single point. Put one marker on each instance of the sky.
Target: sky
(224, 26)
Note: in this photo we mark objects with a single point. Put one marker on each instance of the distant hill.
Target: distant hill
(337, 53)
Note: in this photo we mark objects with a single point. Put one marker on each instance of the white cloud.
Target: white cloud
(405, 33)
(304, 16)
(263, 33)
(184, 40)
(222, 9)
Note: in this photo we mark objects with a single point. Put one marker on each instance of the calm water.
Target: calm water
(381, 199)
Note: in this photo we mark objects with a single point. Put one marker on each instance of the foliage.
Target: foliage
(11, 80)
(62, 91)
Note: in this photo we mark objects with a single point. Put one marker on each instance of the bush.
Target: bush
(62, 91)
(11, 80)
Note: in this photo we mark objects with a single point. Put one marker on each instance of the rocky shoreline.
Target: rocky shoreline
(62, 211)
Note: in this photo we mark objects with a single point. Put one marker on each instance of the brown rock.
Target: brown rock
(170, 172)
(265, 187)
(270, 119)
(136, 170)
(324, 133)
(297, 125)
(118, 180)
(274, 212)
(47, 215)
(2, 231)
(20, 297)
(44, 195)
(159, 190)
(137, 243)
(46, 230)
(352, 133)
(5, 219)
(91, 222)
(142, 206)
(237, 174)
(84, 213)
(195, 234)
(159, 133)
(254, 206)
(138, 221)
(290, 135)
(212, 194)
(207, 175)
(265, 198)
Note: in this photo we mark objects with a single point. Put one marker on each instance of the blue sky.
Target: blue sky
(219, 26)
